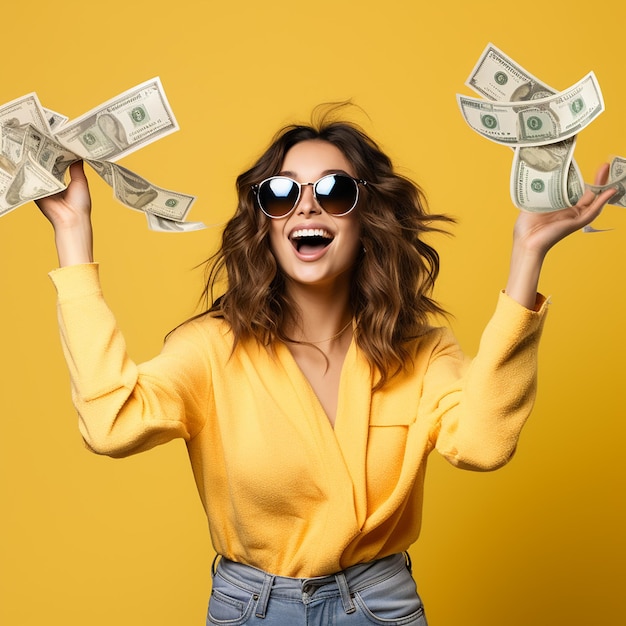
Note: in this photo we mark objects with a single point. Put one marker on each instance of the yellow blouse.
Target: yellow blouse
(284, 491)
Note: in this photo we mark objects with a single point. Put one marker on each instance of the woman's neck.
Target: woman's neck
(322, 316)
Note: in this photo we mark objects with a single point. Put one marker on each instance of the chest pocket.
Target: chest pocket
(386, 449)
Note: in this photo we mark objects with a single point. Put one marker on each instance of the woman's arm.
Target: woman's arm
(69, 212)
(536, 233)
(483, 403)
(123, 407)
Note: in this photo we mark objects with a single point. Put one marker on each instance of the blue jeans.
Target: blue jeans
(381, 592)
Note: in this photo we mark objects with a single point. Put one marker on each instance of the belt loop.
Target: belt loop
(346, 598)
(264, 596)
(409, 563)
(214, 565)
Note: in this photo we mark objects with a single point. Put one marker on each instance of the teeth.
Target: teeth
(311, 232)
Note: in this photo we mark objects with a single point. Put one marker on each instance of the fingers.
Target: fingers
(72, 206)
(602, 174)
(606, 195)
(591, 200)
(591, 207)
(77, 172)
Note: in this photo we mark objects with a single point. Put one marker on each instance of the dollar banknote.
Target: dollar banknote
(55, 120)
(544, 175)
(47, 152)
(543, 178)
(24, 110)
(617, 180)
(121, 125)
(137, 193)
(28, 182)
(38, 145)
(535, 122)
(160, 224)
(497, 76)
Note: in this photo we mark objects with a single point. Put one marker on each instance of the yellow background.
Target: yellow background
(89, 540)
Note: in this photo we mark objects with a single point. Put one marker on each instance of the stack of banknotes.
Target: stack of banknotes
(38, 145)
(541, 125)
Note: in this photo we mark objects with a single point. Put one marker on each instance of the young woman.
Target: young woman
(312, 391)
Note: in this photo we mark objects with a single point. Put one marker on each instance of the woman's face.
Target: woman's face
(328, 258)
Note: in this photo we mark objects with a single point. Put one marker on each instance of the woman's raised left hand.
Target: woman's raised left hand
(538, 232)
(535, 233)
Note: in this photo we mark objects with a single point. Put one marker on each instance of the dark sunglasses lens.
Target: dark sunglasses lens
(277, 196)
(336, 194)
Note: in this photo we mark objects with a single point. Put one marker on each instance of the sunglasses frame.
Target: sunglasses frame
(357, 181)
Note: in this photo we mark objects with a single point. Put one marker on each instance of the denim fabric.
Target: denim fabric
(381, 592)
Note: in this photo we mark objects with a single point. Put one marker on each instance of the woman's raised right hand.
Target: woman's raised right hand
(69, 212)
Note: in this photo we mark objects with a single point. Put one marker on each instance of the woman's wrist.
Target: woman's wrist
(524, 273)
(74, 243)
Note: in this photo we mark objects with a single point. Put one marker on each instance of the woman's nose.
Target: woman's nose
(307, 203)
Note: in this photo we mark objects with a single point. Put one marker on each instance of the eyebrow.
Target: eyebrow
(324, 173)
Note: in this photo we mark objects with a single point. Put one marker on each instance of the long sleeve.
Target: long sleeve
(488, 398)
(124, 407)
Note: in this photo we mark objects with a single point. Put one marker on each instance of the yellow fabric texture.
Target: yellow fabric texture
(283, 490)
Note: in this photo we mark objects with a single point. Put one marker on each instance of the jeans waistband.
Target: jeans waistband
(343, 583)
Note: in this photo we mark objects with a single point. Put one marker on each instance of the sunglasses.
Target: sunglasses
(337, 194)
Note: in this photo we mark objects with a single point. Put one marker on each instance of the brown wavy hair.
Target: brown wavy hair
(394, 275)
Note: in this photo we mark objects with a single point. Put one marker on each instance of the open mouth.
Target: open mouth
(310, 240)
